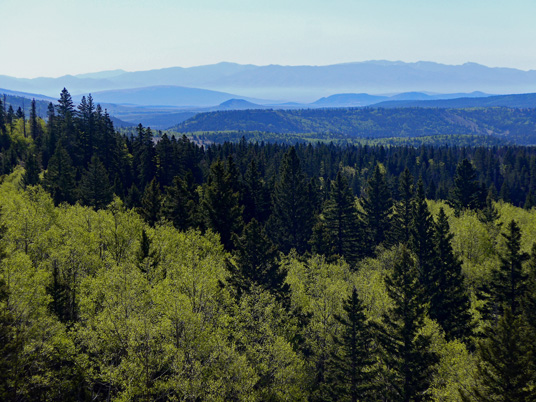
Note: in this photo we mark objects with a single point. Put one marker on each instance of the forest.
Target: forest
(515, 125)
(153, 268)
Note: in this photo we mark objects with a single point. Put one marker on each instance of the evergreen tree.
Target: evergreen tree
(31, 174)
(221, 204)
(422, 241)
(449, 303)
(182, 201)
(292, 219)
(489, 213)
(351, 371)
(409, 362)
(341, 220)
(95, 189)
(403, 212)
(466, 193)
(257, 263)
(35, 128)
(508, 284)
(151, 203)
(256, 195)
(505, 367)
(59, 179)
(377, 205)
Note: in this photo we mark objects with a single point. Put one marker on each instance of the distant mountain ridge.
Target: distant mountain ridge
(297, 83)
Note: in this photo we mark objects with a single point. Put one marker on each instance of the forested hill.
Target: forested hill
(142, 270)
(516, 125)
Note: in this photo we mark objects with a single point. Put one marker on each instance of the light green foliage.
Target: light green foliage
(456, 368)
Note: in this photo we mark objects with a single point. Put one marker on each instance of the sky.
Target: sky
(57, 37)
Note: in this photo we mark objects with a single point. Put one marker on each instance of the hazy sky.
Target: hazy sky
(57, 37)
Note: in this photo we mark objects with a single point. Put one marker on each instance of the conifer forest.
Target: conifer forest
(148, 266)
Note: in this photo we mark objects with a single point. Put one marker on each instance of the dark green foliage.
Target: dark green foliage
(257, 263)
(409, 363)
(377, 205)
(32, 170)
(365, 123)
(508, 282)
(341, 220)
(151, 203)
(403, 211)
(292, 216)
(95, 189)
(466, 193)
(181, 202)
(449, 302)
(489, 213)
(505, 368)
(351, 373)
(422, 241)
(59, 179)
(147, 257)
(220, 204)
(256, 195)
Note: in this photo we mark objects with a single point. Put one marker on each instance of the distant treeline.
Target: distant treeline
(515, 125)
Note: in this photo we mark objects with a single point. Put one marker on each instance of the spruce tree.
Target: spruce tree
(257, 263)
(403, 211)
(341, 220)
(350, 372)
(505, 368)
(256, 195)
(422, 241)
(59, 179)
(151, 203)
(508, 284)
(292, 219)
(181, 202)
(95, 189)
(32, 170)
(408, 361)
(466, 193)
(220, 204)
(449, 302)
(377, 205)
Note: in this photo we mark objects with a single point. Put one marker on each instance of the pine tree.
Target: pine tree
(466, 193)
(350, 369)
(449, 302)
(377, 205)
(257, 263)
(181, 202)
(59, 179)
(505, 367)
(220, 203)
(35, 128)
(403, 212)
(508, 284)
(256, 196)
(341, 220)
(151, 203)
(422, 241)
(408, 360)
(95, 189)
(292, 219)
(31, 174)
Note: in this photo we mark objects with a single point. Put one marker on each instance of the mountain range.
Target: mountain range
(296, 83)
